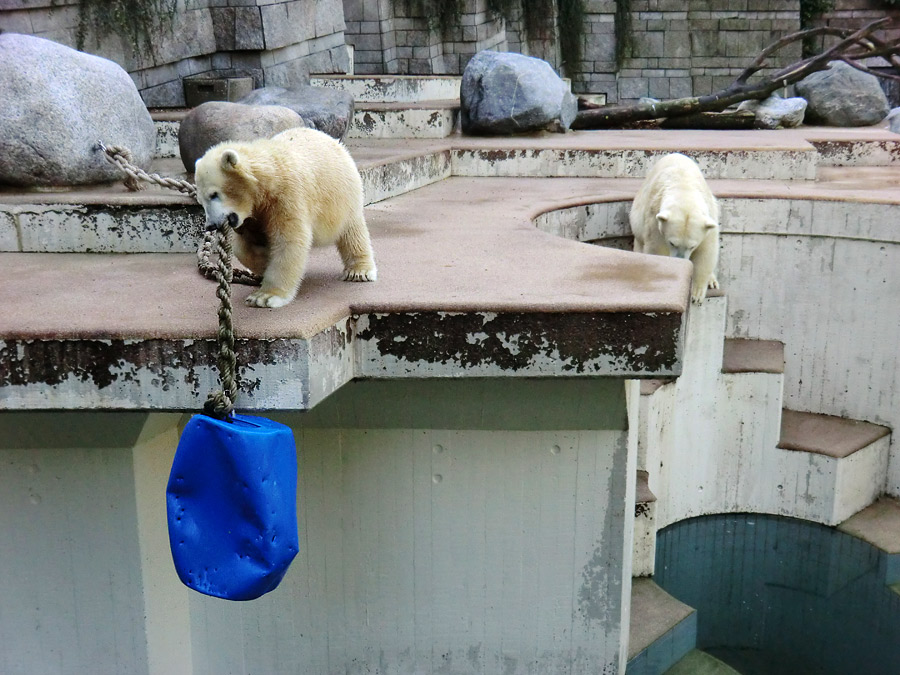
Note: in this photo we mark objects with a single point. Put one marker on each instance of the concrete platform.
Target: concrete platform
(827, 435)
(662, 630)
(460, 291)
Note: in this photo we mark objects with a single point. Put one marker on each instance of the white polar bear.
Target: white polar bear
(282, 196)
(674, 213)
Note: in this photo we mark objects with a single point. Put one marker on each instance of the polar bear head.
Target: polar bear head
(684, 227)
(225, 186)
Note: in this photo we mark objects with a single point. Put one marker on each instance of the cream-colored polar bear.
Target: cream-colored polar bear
(674, 213)
(282, 196)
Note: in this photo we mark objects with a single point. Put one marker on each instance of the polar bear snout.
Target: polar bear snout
(676, 252)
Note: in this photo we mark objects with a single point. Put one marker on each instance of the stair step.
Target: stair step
(662, 629)
(697, 662)
(643, 495)
(396, 88)
(827, 435)
(879, 525)
(753, 356)
(422, 119)
(648, 387)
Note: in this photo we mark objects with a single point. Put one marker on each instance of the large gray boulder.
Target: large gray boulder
(507, 93)
(776, 112)
(326, 109)
(843, 96)
(56, 104)
(219, 121)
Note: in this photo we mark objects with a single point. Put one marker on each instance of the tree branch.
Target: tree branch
(852, 48)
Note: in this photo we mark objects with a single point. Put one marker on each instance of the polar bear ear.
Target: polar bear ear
(710, 224)
(661, 219)
(229, 160)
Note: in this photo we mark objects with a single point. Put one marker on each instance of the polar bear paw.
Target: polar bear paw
(713, 282)
(263, 298)
(360, 273)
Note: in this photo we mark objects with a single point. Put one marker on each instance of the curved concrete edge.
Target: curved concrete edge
(297, 374)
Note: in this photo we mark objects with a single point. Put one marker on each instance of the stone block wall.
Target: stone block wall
(694, 47)
(400, 37)
(278, 42)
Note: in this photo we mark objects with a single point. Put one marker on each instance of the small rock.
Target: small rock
(894, 120)
(843, 96)
(776, 112)
(219, 121)
(57, 104)
(507, 93)
(323, 108)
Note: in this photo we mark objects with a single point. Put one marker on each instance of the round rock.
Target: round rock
(776, 112)
(843, 96)
(507, 93)
(328, 110)
(57, 103)
(219, 121)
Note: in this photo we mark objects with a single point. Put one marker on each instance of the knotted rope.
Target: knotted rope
(122, 158)
(219, 403)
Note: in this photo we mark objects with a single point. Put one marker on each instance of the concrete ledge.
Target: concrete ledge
(453, 299)
(878, 524)
(826, 435)
(392, 88)
(662, 630)
(431, 119)
(753, 356)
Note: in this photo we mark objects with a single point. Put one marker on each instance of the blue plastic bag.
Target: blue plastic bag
(232, 505)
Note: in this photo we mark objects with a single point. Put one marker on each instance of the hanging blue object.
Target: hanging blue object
(232, 505)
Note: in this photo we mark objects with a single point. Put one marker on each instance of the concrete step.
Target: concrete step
(834, 437)
(392, 88)
(642, 494)
(650, 387)
(644, 549)
(879, 525)
(831, 467)
(109, 219)
(753, 356)
(697, 662)
(422, 119)
(662, 629)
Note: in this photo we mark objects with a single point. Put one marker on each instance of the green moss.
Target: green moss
(623, 31)
(810, 10)
(571, 35)
(137, 22)
(442, 15)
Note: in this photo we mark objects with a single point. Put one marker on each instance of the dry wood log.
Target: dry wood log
(852, 47)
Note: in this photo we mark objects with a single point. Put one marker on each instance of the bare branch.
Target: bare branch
(852, 47)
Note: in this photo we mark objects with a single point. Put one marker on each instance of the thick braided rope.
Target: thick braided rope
(122, 158)
(221, 403)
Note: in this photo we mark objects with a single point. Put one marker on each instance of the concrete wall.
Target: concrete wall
(278, 42)
(436, 537)
(816, 275)
(694, 47)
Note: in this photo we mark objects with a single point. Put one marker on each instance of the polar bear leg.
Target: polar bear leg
(355, 248)
(705, 258)
(289, 251)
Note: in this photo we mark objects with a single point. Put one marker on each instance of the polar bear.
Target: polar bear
(282, 196)
(674, 213)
